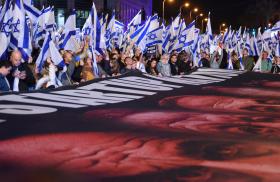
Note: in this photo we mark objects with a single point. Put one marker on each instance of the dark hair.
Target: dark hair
(172, 55)
(115, 69)
(5, 64)
(233, 53)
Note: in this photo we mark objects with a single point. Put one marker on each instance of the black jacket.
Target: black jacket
(29, 81)
(205, 63)
(174, 69)
(224, 63)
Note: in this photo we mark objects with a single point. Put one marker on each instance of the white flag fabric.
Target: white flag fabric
(186, 37)
(20, 36)
(209, 29)
(49, 50)
(32, 12)
(69, 30)
(5, 32)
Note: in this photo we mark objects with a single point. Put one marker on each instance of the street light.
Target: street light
(269, 25)
(163, 7)
(202, 22)
(186, 5)
(200, 15)
(194, 10)
(221, 26)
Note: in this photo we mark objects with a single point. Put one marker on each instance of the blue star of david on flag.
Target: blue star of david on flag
(16, 26)
(6, 27)
(87, 31)
(182, 39)
(152, 36)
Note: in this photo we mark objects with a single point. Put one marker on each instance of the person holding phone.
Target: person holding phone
(21, 77)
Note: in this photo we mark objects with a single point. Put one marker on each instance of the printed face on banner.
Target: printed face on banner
(201, 133)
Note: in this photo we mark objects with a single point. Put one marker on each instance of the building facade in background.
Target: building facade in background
(125, 9)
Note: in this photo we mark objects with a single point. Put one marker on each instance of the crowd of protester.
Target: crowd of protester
(17, 75)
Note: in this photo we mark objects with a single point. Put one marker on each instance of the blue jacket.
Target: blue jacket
(4, 87)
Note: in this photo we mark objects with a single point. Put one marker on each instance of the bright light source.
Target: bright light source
(201, 15)
(195, 10)
(187, 5)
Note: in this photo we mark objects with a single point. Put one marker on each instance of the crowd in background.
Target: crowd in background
(17, 75)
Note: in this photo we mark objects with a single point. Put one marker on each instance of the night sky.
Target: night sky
(232, 12)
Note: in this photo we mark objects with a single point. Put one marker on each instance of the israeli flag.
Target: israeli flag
(266, 36)
(32, 12)
(69, 30)
(238, 35)
(41, 25)
(258, 65)
(176, 27)
(166, 36)
(55, 55)
(277, 50)
(186, 38)
(176, 24)
(154, 24)
(93, 29)
(110, 31)
(154, 37)
(20, 37)
(4, 9)
(44, 54)
(118, 34)
(88, 28)
(72, 45)
(99, 40)
(245, 33)
(49, 50)
(276, 27)
(51, 24)
(114, 34)
(171, 35)
(196, 53)
(209, 29)
(248, 45)
(230, 65)
(140, 35)
(135, 22)
(254, 46)
(227, 36)
(103, 23)
(239, 53)
(5, 28)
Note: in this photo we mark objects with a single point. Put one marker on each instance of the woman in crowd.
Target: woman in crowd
(87, 71)
(235, 61)
(185, 63)
(216, 59)
(49, 79)
(115, 67)
(152, 67)
(276, 65)
(173, 65)
(205, 60)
